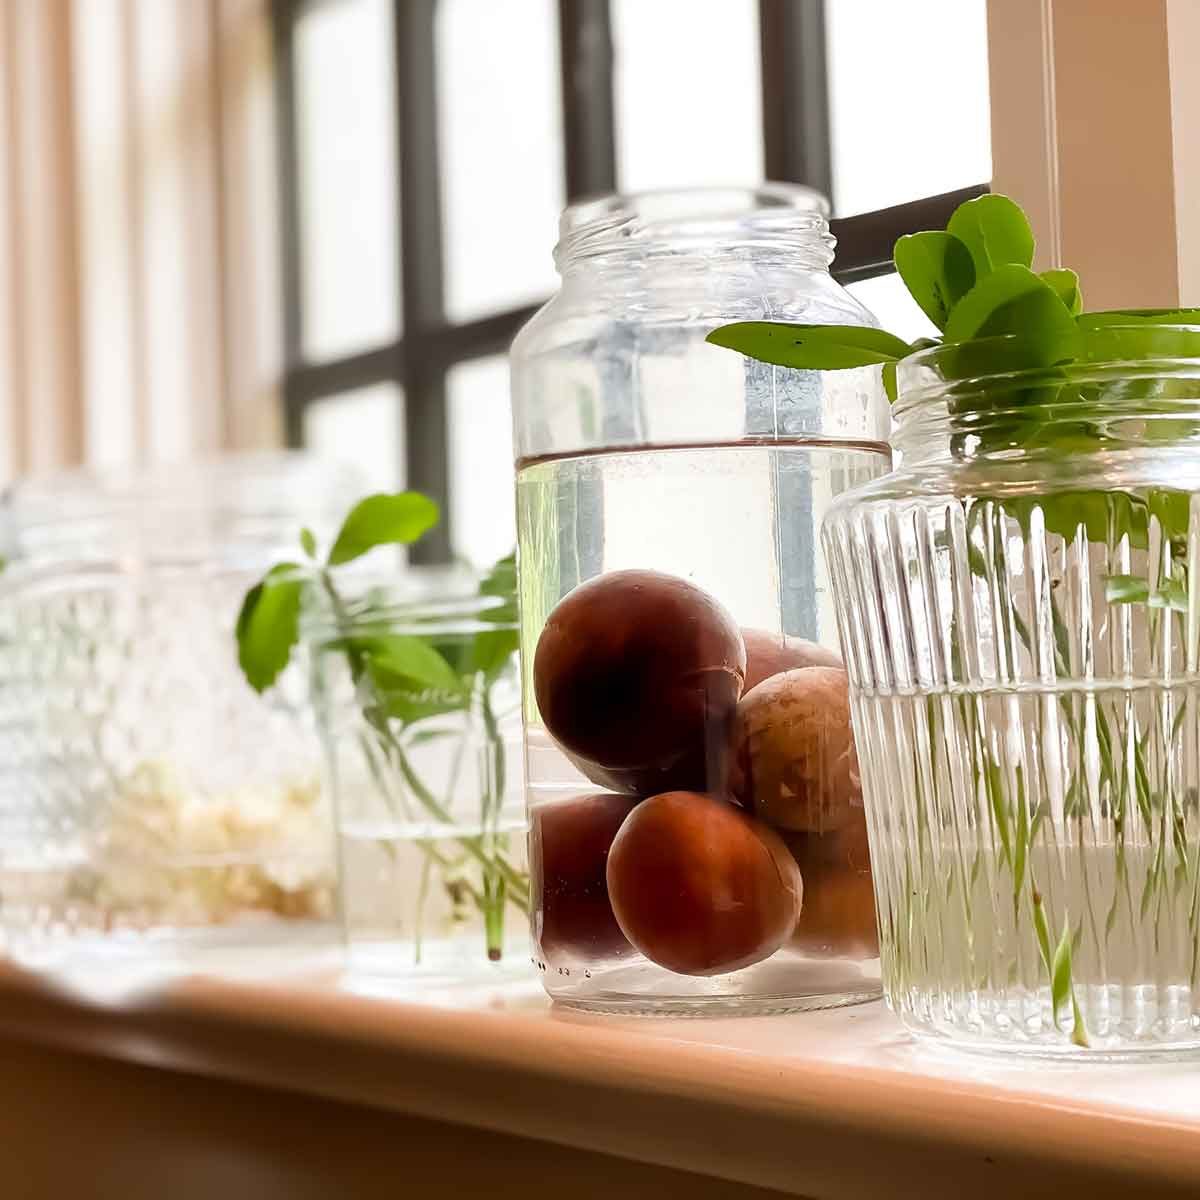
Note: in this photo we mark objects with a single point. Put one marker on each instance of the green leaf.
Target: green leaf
(889, 381)
(937, 269)
(385, 519)
(268, 625)
(1172, 595)
(815, 347)
(1139, 316)
(1126, 589)
(1172, 509)
(490, 652)
(1013, 300)
(1129, 589)
(1060, 972)
(1041, 930)
(995, 231)
(501, 581)
(308, 542)
(397, 657)
(1066, 283)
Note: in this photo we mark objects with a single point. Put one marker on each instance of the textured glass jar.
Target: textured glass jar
(147, 792)
(418, 702)
(669, 495)
(1021, 619)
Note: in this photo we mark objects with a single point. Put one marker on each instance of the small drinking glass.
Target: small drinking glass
(418, 703)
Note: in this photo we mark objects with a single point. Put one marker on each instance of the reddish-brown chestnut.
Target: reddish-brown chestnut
(793, 762)
(636, 675)
(569, 845)
(839, 896)
(770, 654)
(699, 887)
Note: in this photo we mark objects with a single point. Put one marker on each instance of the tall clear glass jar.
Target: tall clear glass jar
(1020, 609)
(150, 801)
(697, 836)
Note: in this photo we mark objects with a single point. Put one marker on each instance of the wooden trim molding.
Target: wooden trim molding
(1096, 132)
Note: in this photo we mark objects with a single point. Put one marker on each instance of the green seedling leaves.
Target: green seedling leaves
(995, 231)
(1013, 300)
(937, 269)
(385, 519)
(1066, 283)
(268, 625)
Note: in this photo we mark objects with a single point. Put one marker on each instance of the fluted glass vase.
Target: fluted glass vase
(1019, 605)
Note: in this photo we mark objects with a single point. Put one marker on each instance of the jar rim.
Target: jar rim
(675, 219)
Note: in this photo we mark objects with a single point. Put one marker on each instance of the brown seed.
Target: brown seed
(770, 654)
(699, 887)
(793, 762)
(636, 675)
(839, 896)
(569, 845)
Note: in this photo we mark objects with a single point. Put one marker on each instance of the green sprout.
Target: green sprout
(401, 681)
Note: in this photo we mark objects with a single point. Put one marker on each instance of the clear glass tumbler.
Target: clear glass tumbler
(697, 833)
(418, 701)
(1020, 609)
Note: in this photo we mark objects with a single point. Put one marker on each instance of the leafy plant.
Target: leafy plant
(402, 681)
(974, 281)
(1028, 331)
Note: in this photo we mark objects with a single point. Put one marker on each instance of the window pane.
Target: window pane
(482, 507)
(346, 134)
(896, 310)
(500, 124)
(364, 427)
(908, 90)
(689, 107)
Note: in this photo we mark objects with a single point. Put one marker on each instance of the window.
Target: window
(426, 147)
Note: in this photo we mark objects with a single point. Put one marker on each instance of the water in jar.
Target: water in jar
(651, 891)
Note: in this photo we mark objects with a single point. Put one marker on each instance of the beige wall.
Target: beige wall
(1096, 132)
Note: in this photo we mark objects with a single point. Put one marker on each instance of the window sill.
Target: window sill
(831, 1104)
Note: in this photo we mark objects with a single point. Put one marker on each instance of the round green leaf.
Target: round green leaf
(995, 231)
(1013, 300)
(1066, 283)
(937, 269)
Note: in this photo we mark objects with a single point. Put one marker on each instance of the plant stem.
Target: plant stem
(513, 884)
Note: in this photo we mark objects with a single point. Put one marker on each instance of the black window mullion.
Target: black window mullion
(426, 439)
(865, 240)
(589, 123)
(795, 93)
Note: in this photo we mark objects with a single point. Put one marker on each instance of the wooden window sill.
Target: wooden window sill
(303, 1085)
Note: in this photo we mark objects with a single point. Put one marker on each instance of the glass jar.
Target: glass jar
(150, 800)
(668, 501)
(1019, 605)
(418, 703)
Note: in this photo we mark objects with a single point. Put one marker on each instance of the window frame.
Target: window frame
(797, 148)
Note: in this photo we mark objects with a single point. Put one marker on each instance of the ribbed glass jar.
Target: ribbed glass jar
(150, 801)
(675, 607)
(1020, 609)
